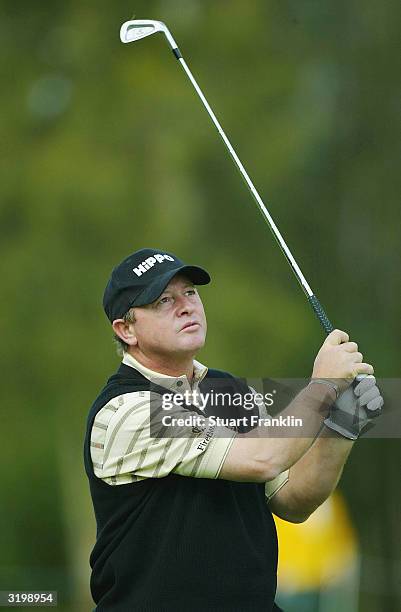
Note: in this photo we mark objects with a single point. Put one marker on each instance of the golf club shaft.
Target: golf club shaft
(317, 307)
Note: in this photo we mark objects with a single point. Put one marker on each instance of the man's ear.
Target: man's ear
(125, 331)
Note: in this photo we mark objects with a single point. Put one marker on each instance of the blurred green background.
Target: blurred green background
(106, 149)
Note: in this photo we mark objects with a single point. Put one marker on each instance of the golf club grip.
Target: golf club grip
(319, 311)
(348, 397)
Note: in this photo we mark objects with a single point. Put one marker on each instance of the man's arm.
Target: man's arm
(261, 459)
(313, 478)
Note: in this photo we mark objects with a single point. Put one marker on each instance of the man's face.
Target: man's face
(175, 324)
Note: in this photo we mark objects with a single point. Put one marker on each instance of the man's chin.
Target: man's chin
(193, 345)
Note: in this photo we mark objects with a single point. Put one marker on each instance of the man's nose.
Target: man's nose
(184, 306)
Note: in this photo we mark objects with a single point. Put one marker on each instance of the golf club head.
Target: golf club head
(136, 29)
(139, 28)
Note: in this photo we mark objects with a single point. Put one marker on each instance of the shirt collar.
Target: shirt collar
(176, 383)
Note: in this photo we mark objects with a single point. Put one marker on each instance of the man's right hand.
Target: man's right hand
(339, 360)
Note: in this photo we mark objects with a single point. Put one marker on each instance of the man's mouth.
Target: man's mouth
(190, 325)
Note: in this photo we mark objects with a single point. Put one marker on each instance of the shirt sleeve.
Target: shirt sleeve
(273, 486)
(130, 441)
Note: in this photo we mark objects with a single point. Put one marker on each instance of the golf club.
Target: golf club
(136, 29)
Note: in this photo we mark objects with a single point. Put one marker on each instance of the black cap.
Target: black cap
(142, 277)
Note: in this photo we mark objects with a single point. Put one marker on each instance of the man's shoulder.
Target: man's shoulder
(124, 380)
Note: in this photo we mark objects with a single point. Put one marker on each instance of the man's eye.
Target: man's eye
(191, 292)
(164, 300)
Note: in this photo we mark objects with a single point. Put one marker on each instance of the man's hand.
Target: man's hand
(338, 361)
(356, 408)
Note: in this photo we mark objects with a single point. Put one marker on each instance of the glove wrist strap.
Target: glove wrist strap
(328, 382)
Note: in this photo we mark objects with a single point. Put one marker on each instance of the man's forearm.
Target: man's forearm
(317, 473)
(313, 478)
(272, 450)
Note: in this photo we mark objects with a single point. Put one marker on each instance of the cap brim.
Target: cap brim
(198, 276)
